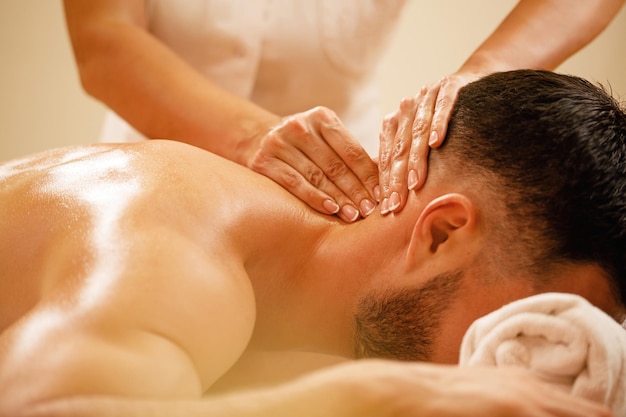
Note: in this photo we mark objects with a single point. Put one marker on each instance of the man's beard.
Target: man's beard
(403, 323)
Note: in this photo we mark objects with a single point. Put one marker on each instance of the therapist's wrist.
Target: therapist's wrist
(253, 132)
(483, 62)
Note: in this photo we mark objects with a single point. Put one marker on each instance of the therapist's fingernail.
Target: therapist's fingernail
(377, 193)
(330, 206)
(350, 212)
(434, 138)
(413, 179)
(367, 207)
(394, 201)
(384, 206)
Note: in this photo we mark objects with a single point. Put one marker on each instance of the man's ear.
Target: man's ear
(447, 221)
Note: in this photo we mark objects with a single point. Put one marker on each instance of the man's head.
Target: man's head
(552, 149)
(534, 171)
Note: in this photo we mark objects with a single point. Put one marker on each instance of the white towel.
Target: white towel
(561, 338)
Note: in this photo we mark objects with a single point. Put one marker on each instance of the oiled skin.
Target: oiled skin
(116, 256)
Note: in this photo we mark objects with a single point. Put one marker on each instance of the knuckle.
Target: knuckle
(356, 194)
(385, 188)
(290, 180)
(445, 81)
(310, 195)
(399, 149)
(395, 182)
(443, 101)
(416, 158)
(294, 126)
(263, 156)
(372, 176)
(325, 114)
(420, 127)
(331, 128)
(320, 109)
(257, 162)
(336, 169)
(406, 102)
(390, 118)
(273, 143)
(273, 139)
(353, 152)
(315, 177)
(383, 160)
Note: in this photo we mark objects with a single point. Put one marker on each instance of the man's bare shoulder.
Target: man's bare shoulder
(141, 159)
(101, 246)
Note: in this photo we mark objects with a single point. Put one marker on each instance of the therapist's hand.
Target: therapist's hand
(408, 134)
(313, 156)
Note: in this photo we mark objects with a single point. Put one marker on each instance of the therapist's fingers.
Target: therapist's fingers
(396, 139)
(413, 170)
(344, 161)
(447, 92)
(434, 105)
(299, 182)
(417, 166)
(385, 150)
(320, 163)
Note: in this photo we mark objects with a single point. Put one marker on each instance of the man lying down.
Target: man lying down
(134, 277)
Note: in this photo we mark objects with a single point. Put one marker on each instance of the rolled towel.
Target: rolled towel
(561, 338)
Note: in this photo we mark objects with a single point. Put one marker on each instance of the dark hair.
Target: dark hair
(558, 145)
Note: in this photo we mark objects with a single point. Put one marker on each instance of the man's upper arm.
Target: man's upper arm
(54, 354)
(157, 330)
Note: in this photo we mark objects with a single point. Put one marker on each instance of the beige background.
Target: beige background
(43, 106)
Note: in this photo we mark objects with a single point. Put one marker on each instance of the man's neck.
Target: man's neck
(309, 305)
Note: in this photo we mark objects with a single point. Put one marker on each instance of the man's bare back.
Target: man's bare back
(107, 243)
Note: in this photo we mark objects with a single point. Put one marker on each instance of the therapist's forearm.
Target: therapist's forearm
(541, 34)
(163, 97)
(295, 399)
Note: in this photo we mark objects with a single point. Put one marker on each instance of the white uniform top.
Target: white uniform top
(284, 55)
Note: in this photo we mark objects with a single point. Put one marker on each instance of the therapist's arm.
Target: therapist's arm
(359, 389)
(538, 34)
(121, 64)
